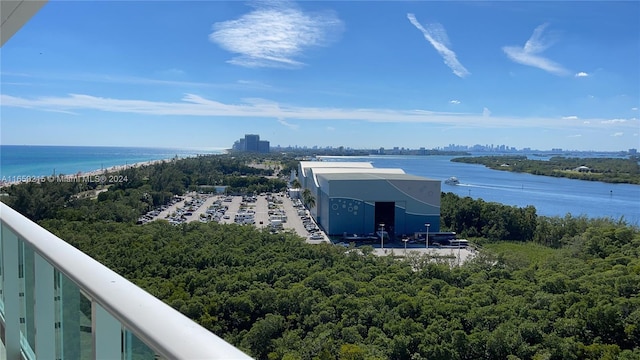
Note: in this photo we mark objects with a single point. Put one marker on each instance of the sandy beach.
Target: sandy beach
(89, 176)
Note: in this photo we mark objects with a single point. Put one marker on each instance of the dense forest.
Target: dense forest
(597, 169)
(278, 298)
(539, 288)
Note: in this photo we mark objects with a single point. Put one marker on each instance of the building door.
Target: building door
(385, 214)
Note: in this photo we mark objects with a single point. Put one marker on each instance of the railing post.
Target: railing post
(10, 293)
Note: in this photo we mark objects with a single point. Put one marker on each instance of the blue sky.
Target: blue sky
(360, 74)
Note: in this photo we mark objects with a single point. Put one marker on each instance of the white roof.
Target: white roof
(358, 171)
(334, 164)
(315, 171)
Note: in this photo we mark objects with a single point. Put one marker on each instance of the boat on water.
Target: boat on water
(452, 181)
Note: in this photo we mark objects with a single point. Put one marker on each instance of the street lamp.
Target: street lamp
(405, 245)
(381, 235)
(427, 238)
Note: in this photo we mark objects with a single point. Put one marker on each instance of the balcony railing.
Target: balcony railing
(58, 303)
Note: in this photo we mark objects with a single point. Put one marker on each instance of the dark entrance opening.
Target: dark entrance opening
(385, 214)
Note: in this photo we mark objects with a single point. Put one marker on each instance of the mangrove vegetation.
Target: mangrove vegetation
(611, 170)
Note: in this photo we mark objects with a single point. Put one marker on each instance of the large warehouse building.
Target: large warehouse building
(356, 198)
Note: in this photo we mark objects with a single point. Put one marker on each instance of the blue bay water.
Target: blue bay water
(549, 195)
(18, 161)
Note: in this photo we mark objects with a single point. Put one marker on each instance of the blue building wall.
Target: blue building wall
(353, 216)
(345, 203)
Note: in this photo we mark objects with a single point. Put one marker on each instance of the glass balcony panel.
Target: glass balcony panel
(135, 349)
(1, 279)
(107, 334)
(74, 339)
(27, 294)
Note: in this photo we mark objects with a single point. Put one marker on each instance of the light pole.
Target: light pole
(381, 235)
(405, 246)
(427, 238)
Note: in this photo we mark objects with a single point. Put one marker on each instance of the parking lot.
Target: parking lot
(274, 212)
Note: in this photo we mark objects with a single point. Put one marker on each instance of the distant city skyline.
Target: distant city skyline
(501, 148)
(364, 75)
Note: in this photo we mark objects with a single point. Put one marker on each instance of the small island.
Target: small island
(610, 170)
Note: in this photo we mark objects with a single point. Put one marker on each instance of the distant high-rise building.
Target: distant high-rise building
(263, 146)
(251, 143)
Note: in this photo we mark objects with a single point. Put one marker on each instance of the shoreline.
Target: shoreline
(96, 175)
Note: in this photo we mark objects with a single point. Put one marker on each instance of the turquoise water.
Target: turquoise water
(17, 161)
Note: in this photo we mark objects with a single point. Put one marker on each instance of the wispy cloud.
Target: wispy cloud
(529, 54)
(614, 121)
(437, 36)
(195, 105)
(572, 117)
(575, 136)
(617, 134)
(581, 74)
(289, 125)
(242, 84)
(454, 102)
(274, 34)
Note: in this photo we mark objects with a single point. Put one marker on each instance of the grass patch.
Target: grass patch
(521, 254)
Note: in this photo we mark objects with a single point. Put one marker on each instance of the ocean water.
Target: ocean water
(18, 161)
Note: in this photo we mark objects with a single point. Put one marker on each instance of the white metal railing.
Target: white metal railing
(165, 331)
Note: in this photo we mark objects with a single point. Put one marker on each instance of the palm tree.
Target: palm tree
(308, 199)
(295, 184)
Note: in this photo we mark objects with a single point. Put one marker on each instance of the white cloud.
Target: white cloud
(586, 122)
(529, 54)
(195, 105)
(617, 134)
(454, 102)
(572, 117)
(137, 80)
(289, 125)
(437, 36)
(575, 136)
(614, 121)
(331, 128)
(634, 109)
(274, 34)
(581, 74)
